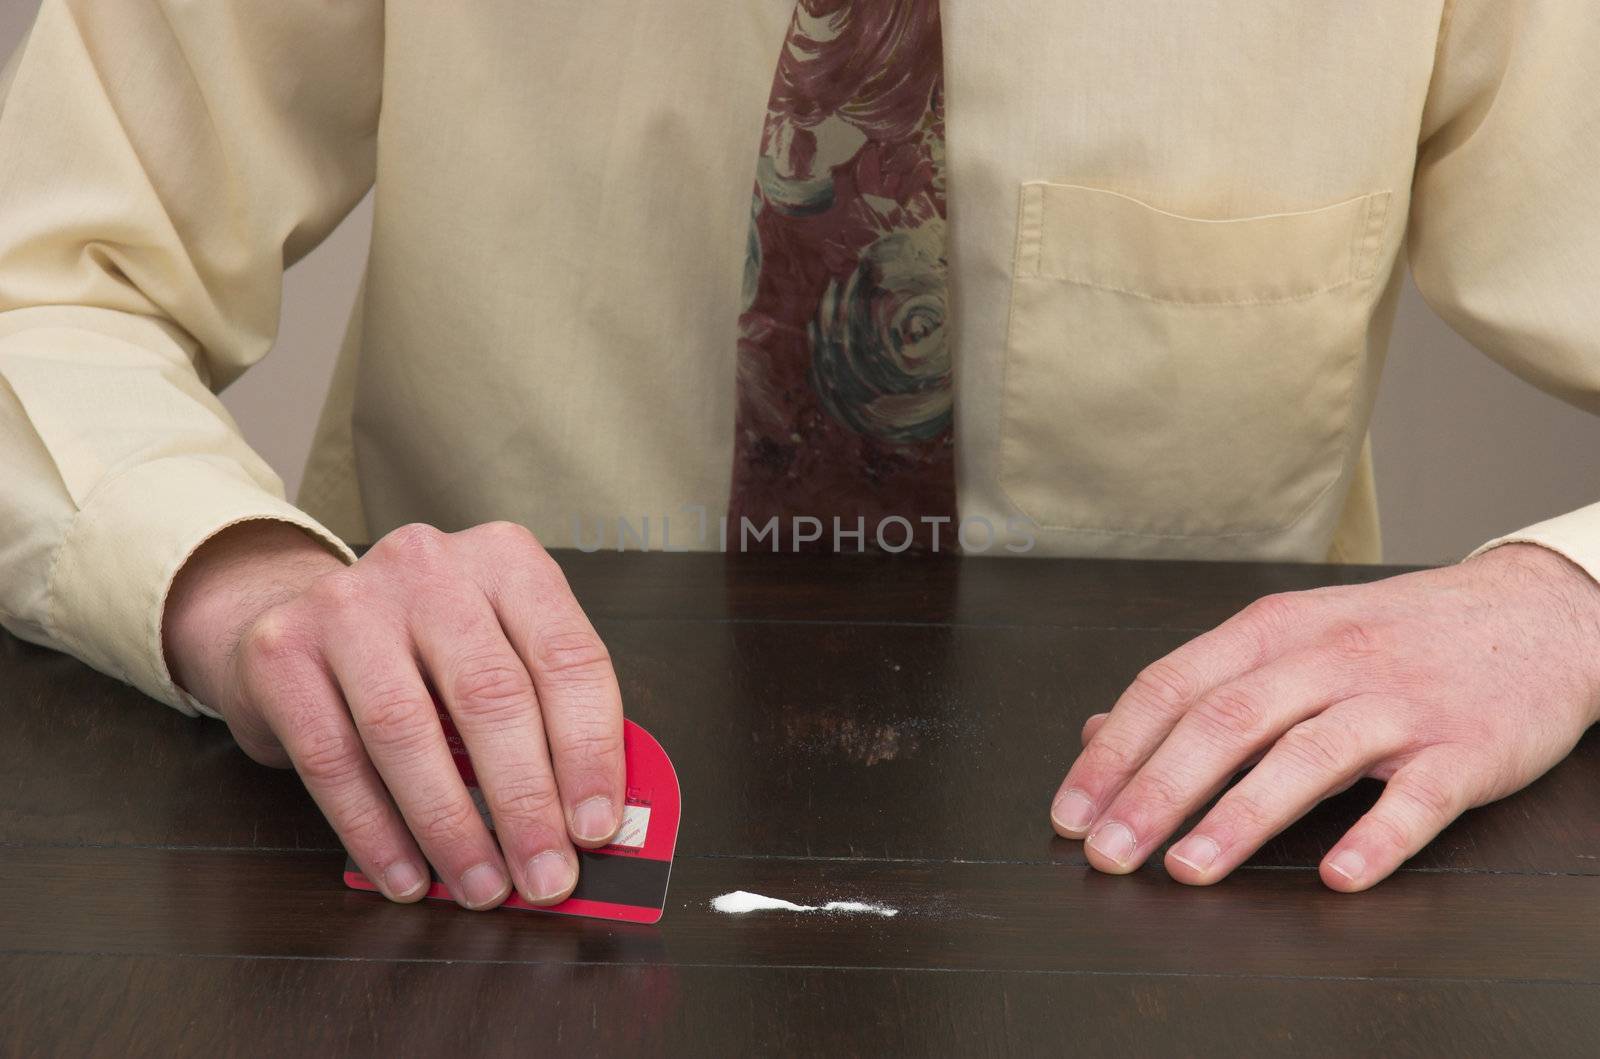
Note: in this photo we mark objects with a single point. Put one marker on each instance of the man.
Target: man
(1116, 278)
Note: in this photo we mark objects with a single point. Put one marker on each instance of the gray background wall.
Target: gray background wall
(1464, 451)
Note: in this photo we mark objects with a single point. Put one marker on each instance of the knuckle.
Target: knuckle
(1389, 833)
(364, 824)
(393, 716)
(1275, 612)
(445, 822)
(1232, 712)
(525, 800)
(1435, 797)
(275, 639)
(1164, 686)
(1264, 623)
(508, 535)
(416, 544)
(573, 656)
(491, 687)
(1354, 642)
(328, 754)
(1109, 754)
(1248, 813)
(590, 745)
(1159, 793)
(535, 571)
(1315, 747)
(341, 593)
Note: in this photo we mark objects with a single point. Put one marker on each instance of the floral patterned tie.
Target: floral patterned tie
(844, 392)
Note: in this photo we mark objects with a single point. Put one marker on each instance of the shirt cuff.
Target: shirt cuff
(132, 535)
(1575, 535)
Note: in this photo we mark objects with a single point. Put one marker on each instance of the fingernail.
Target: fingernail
(402, 879)
(1349, 863)
(549, 875)
(1113, 841)
(594, 820)
(483, 885)
(1197, 851)
(1073, 811)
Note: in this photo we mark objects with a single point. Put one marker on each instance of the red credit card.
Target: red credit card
(625, 880)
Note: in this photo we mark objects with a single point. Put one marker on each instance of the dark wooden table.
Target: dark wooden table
(884, 730)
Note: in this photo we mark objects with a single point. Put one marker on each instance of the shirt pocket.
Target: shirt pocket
(1168, 376)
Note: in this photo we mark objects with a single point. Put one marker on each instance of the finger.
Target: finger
(307, 717)
(490, 696)
(1417, 803)
(1161, 694)
(1313, 760)
(572, 674)
(396, 718)
(1204, 750)
(1092, 725)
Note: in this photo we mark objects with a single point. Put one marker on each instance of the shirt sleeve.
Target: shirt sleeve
(161, 162)
(1505, 230)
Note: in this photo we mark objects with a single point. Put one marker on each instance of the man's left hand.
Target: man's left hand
(1454, 686)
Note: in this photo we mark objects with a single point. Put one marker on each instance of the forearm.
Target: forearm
(126, 301)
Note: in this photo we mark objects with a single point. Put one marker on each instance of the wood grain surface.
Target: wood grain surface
(849, 728)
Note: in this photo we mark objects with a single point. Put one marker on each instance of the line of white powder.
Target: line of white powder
(742, 901)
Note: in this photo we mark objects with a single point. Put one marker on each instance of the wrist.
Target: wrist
(1574, 596)
(227, 583)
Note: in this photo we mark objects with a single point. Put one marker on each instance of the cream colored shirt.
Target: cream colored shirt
(1178, 230)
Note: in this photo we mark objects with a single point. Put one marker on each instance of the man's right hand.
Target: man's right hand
(333, 670)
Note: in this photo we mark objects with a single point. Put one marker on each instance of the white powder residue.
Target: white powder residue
(860, 906)
(742, 901)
